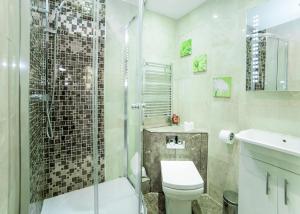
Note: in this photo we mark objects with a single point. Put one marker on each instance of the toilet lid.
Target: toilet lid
(181, 175)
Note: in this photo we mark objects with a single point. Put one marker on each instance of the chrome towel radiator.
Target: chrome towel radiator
(157, 90)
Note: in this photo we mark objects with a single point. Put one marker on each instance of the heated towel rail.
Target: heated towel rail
(157, 90)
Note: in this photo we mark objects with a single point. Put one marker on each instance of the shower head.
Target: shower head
(57, 11)
(61, 5)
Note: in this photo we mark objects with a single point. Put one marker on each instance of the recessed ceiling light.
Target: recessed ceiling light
(215, 16)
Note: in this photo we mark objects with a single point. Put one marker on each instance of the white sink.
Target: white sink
(271, 140)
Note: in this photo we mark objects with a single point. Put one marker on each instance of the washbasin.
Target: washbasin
(271, 140)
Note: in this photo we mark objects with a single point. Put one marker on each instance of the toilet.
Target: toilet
(181, 184)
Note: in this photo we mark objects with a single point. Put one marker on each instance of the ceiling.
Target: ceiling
(174, 9)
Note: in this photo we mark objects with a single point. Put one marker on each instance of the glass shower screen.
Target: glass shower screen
(64, 155)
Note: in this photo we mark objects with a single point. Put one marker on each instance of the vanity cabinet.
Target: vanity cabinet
(257, 187)
(288, 188)
(265, 188)
(269, 179)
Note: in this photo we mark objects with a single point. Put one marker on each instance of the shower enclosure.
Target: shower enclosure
(64, 161)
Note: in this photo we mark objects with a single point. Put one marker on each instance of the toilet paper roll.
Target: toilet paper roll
(226, 136)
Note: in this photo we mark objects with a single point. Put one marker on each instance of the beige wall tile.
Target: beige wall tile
(223, 39)
(4, 131)
(9, 109)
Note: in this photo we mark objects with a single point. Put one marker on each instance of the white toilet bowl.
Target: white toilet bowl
(181, 184)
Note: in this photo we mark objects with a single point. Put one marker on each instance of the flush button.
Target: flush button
(173, 142)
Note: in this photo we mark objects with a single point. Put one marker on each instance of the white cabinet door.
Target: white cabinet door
(257, 187)
(288, 192)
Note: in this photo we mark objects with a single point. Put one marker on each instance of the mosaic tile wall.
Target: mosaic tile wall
(68, 156)
(64, 163)
(37, 88)
(260, 85)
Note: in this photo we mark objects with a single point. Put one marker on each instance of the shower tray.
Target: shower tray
(115, 197)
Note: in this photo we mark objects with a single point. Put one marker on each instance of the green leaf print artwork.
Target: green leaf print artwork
(222, 87)
(186, 48)
(200, 63)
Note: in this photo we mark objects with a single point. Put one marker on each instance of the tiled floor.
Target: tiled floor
(205, 205)
(155, 203)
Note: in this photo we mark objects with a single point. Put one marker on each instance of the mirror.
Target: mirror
(273, 46)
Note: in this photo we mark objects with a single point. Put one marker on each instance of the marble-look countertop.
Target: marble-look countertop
(175, 129)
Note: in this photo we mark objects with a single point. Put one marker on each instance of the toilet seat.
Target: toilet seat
(181, 184)
(182, 194)
(181, 175)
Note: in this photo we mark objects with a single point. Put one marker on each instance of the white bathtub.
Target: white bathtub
(117, 196)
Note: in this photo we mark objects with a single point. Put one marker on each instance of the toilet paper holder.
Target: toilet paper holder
(227, 136)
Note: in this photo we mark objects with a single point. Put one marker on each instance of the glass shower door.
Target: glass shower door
(127, 197)
(95, 103)
(133, 100)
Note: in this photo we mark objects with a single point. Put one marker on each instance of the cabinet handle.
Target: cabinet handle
(267, 184)
(285, 191)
